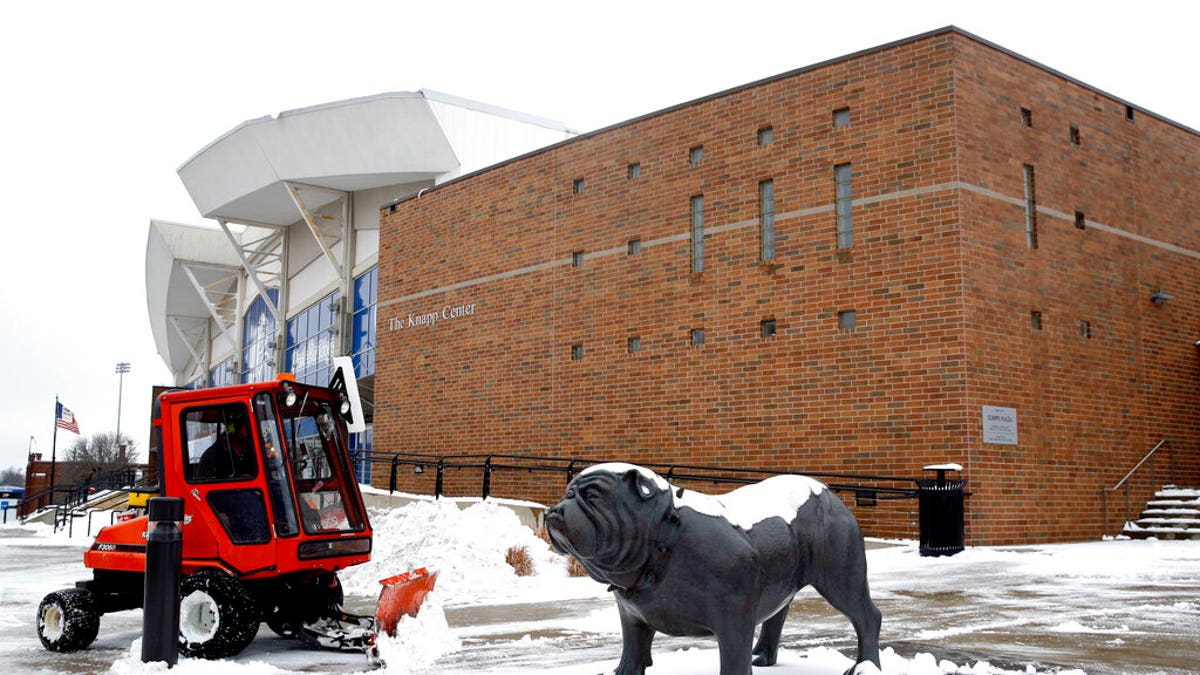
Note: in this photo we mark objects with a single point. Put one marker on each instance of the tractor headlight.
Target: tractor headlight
(289, 395)
(328, 548)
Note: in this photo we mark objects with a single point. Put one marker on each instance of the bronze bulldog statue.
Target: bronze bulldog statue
(685, 563)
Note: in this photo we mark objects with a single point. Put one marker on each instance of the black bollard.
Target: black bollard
(164, 555)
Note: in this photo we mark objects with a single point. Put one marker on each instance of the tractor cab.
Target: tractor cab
(265, 476)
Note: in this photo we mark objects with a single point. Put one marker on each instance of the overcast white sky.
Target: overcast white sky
(103, 100)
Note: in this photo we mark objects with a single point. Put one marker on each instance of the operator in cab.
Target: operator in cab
(232, 454)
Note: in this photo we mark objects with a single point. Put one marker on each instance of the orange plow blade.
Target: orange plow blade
(402, 595)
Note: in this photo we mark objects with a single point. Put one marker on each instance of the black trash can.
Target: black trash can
(941, 514)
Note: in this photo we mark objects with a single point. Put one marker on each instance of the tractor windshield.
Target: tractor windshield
(320, 468)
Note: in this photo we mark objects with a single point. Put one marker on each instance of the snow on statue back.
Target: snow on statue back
(685, 563)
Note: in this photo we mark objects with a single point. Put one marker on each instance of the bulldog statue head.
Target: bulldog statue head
(602, 520)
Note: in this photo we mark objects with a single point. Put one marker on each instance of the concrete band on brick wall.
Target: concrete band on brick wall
(1070, 217)
(802, 213)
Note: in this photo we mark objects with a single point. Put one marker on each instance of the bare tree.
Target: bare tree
(12, 476)
(100, 454)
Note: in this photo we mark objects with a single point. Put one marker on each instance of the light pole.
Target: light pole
(122, 368)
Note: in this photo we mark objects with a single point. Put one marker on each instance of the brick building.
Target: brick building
(834, 269)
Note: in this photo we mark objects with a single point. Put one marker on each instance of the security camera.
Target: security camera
(1159, 297)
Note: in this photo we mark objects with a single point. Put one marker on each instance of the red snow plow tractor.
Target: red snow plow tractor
(271, 513)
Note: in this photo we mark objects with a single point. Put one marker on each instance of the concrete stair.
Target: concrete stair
(1174, 513)
(104, 500)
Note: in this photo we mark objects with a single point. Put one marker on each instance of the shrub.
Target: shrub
(518, 558)
(573, 567)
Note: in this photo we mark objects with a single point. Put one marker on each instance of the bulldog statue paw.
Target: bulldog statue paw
(685, 563)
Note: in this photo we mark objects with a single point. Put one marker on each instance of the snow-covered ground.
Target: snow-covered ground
(1113, 606)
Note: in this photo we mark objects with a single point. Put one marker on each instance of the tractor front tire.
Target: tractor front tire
(217, 615)
(68, 620)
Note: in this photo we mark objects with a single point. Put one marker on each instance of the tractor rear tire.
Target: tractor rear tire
(68, 620)
(217, 615)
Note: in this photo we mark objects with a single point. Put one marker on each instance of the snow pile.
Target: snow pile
(39, 533)
(1107, 563)
(420, 640)
(75, 532)
(465, 547)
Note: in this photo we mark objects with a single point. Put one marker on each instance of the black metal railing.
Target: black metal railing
(939, 521)
(864, 486)
(1150, 463)
(66, 499)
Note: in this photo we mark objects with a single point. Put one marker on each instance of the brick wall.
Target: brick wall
(934, 274)
(1089, 407)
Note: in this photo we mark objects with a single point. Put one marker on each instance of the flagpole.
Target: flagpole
(54, 448)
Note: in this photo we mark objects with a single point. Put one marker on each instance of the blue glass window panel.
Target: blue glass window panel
(258, 333)
(221, 374)
(363, 335)
(361, 330)
(364, 289)
(360, 453)
(320, 317)
(371, 340)
(312, 341)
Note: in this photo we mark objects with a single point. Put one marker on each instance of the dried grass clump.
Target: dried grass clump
(518, 558)
(573, 567)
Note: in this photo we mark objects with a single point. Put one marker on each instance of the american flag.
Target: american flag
(66, 419)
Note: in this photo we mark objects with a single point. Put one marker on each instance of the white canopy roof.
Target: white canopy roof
(403, 140)
(359, 144)
(174, 250)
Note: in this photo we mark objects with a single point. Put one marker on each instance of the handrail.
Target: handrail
(123, 479)
(1166, 442)
(1105, 491)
